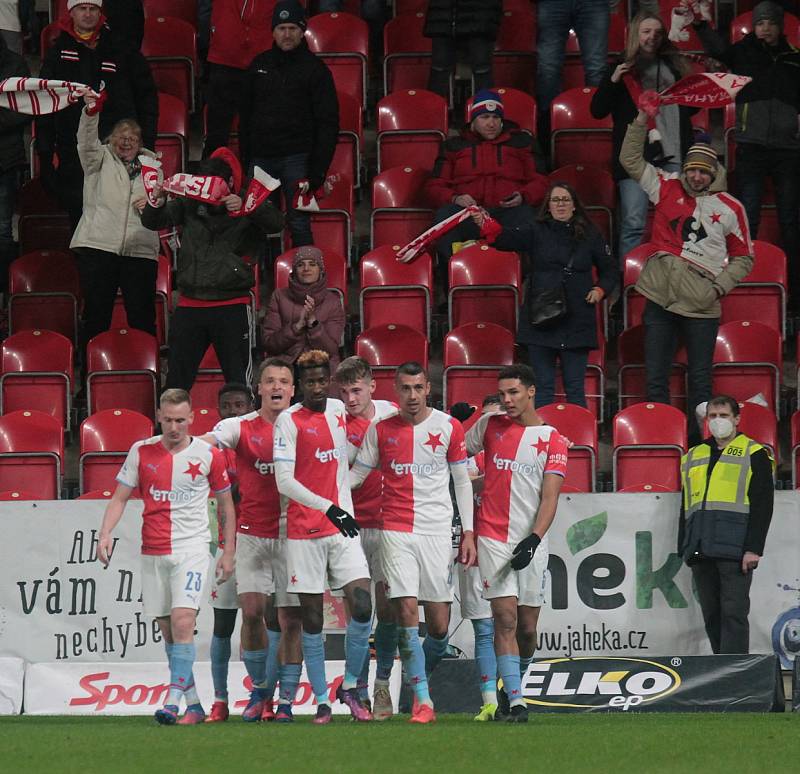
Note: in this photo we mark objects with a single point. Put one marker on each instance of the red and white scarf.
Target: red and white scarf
(39, 96)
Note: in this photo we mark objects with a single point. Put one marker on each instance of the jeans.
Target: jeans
(573, 371)
(724, 594)
(443, 63)
(555, 18)
(289, 170)
(699, 334)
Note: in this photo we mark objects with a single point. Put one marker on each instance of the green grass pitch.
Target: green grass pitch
(706, 743)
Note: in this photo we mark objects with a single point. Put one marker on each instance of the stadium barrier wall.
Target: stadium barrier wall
(12, 671)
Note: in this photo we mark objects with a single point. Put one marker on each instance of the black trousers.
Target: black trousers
(224, 90)
(724, 593)
(194, 329)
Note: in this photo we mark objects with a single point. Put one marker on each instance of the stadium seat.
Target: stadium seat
(97, 494)
(335, 271)
(9, 495)
(119, 318)
(105, 439)
(412, 124)
(407, 53)
(31, 453)
(179, 9)
(36, 374)
(758, 423)
(743, 24)
(576, 136)
(579, 425)
(632, 302)
(386, 347)
(597, 191)
(122, 371)
(514, 60)
(350, 141)
(48, 36)
(207, 383)
(748, 360)
(593, 382)
(170, 47)
(205, 420)
(400, 211)
(518, 106)
(172, 138)
(392, 291)
(43, 223)
(649, 440)
(473, 355)
(485, 286)
(644, 488)
(44, 290)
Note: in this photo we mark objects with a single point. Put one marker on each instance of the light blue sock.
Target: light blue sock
(508, 666)
(255, 661)
(273, 666)
(289, 678)
(180, 673)
(414, 662)
(190, 694)
(485, 658)
(434, 650)
(385, 649)
(524, 663)
(356, 651)
(220, 656)
(363, 677)
(174, 696)
(314, 656)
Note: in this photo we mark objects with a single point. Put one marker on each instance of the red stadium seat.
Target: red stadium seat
(392, 291)
(407, 53)
(412, 125)
(758, 423)
(170, 47)
(576, 136)
(335, 271)
(594, 382)
(597, 191)
(649, 440)
(119, 318)
(172, 138)
(743, 24)
(9, 495)
(644, 488)
(48, 36)
(408, 6)
(385, 348)
(632, 302)
(748, 360)
(43, 223)
(350, 141)
(579, 425)
(514, 60)
(105, 439)
(484, 287)
(36, 374)
(179, 9)
(123, 371)
(45, 289)
(97, 494)
(205, 419)
(400, 211)
(31, 453)
(518, 107)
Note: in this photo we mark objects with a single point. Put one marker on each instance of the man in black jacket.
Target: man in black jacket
(290, 114)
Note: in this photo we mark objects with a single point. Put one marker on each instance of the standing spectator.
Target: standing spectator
(290, 114)
(453, 23)
(214, 276)
(305, 315)
(490, 164)
(11, 26)
(565, 248)
(126, 20)
(651, 61)
(767, 126)
(726, 511)
(114, 249)
(86, 52)
(702, 251)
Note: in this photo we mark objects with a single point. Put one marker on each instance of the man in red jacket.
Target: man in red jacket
(492, 165)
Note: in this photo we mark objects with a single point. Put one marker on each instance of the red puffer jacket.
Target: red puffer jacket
(240, 30)
(488, 170)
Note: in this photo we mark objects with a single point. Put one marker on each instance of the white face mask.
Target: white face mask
(721, 427)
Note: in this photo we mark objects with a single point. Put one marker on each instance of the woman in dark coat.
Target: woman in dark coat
(562, 231)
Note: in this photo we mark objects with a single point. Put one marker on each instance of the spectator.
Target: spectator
(11, 25)
(290, 114)
(565, 248)
(114, 249)
(214, 276)
(454, 23)
(650, 62)
(490, 164)
(702, 251)
(85, 52)
(767, 126)
(305, 315)
(126, 20)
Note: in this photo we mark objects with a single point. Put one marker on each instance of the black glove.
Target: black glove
(344, 522)
(523, 553)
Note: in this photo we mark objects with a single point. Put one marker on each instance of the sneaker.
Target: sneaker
(423, 713)
(503, 705)
(193, 715)
(284, 714)
(350, 698)
(518, 714)
(487, 713)
(268, 712)
(167, 715)
(252, 712)
(324, 715)
(382, 702)
(219, 712)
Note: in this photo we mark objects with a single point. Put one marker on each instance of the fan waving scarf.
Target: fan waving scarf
(704, 90)
(39, 96)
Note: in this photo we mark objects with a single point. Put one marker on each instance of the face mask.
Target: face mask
(720, 427)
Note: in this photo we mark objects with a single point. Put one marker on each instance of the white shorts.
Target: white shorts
(335, 559)
(499, 580)
(419, 566)
(261, 568)
(371, 543)
(470, 588)
(174, 580)
(223, 596)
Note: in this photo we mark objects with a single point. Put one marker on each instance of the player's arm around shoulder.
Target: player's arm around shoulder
(367, 457)
(474, 436)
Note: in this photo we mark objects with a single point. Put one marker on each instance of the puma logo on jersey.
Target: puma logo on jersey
(169, 496)
(502, 463)
(264, 468)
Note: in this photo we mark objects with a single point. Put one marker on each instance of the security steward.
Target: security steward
(728, 495)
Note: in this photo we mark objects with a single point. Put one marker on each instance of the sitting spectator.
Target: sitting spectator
(492, 165)
(114, 249)
(650, 62)
(305, 315)
(564, 247)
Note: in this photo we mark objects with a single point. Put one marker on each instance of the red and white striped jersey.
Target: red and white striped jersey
(415, 462)
(260, 506)
(175, 489)
(516, 458)
(311, 466)
(230, 467)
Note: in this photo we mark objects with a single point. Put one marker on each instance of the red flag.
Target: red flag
(705, 90)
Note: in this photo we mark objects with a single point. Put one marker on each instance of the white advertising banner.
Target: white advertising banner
(12, 673)
(132, 688)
